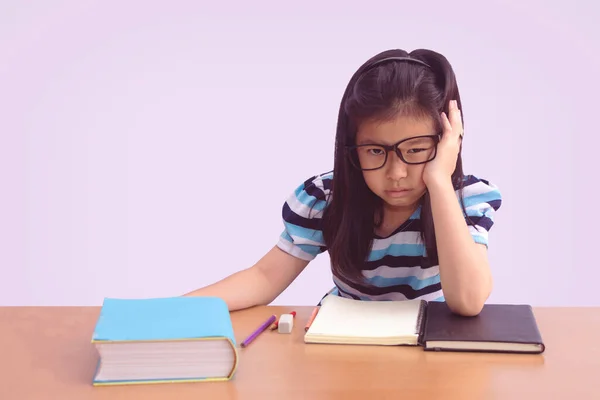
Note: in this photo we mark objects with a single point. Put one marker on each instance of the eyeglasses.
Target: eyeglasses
(412, 151)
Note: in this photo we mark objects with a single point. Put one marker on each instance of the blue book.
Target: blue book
(174, 339)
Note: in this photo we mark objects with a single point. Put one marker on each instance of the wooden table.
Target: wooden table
(45, 353)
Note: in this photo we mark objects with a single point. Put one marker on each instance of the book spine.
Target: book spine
(422, 317)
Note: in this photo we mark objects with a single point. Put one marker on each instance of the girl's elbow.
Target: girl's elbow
(471, 303)
(466, 309)
(468, 306)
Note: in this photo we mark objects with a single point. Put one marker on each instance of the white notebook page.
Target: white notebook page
(339, 316)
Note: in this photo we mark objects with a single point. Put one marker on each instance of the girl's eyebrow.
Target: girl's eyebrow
(375, 142)
(370, 141)
(420, 140)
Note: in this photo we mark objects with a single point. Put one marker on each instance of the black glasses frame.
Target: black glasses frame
(392, 147)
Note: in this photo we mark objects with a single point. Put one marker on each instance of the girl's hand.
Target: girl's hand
(442, 167)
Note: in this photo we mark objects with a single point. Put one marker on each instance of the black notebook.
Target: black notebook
(498, 328)
(507, 328)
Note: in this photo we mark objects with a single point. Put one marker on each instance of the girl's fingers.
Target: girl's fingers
(446, 125)
(455, 120)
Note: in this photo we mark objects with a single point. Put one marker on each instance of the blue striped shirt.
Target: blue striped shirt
(396, 267)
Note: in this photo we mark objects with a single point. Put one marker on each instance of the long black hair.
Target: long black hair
(380, 90)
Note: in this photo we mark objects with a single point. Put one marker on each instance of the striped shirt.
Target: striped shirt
(396, 267)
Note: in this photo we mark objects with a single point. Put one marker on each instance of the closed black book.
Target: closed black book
(506, 328)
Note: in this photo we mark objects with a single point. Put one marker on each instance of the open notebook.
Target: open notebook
(498, 328)
(177, 339)
(347, 321)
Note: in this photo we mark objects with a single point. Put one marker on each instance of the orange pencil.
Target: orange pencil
(276, 324)
(311, 319)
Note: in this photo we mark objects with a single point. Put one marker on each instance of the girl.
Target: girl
(397, 216)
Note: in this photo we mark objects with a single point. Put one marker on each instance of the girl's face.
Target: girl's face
(398, 184)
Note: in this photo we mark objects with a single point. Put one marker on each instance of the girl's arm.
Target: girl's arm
(464, 270)
(257, 285)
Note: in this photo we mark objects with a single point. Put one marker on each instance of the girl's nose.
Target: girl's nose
(397, 169)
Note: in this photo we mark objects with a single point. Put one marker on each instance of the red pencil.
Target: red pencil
(311, 318)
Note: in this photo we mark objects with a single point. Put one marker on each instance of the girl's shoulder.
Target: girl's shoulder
(318, 186)
(302, 214)
(477, 190)
(309, 199)
(315, 189)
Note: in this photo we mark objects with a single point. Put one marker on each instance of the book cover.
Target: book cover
(498, 328)
(164, 320)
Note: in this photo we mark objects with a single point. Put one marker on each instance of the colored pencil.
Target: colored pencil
(258, 331)
(311, 319)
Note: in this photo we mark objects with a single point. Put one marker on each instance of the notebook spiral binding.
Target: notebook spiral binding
(421, 319)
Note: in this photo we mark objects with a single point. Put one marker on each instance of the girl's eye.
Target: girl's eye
(416, 150)
(376, 151)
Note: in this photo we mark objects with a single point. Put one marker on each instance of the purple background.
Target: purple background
(136, 138)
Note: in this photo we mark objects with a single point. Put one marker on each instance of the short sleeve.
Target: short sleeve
(302, 214)
(481, 200)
